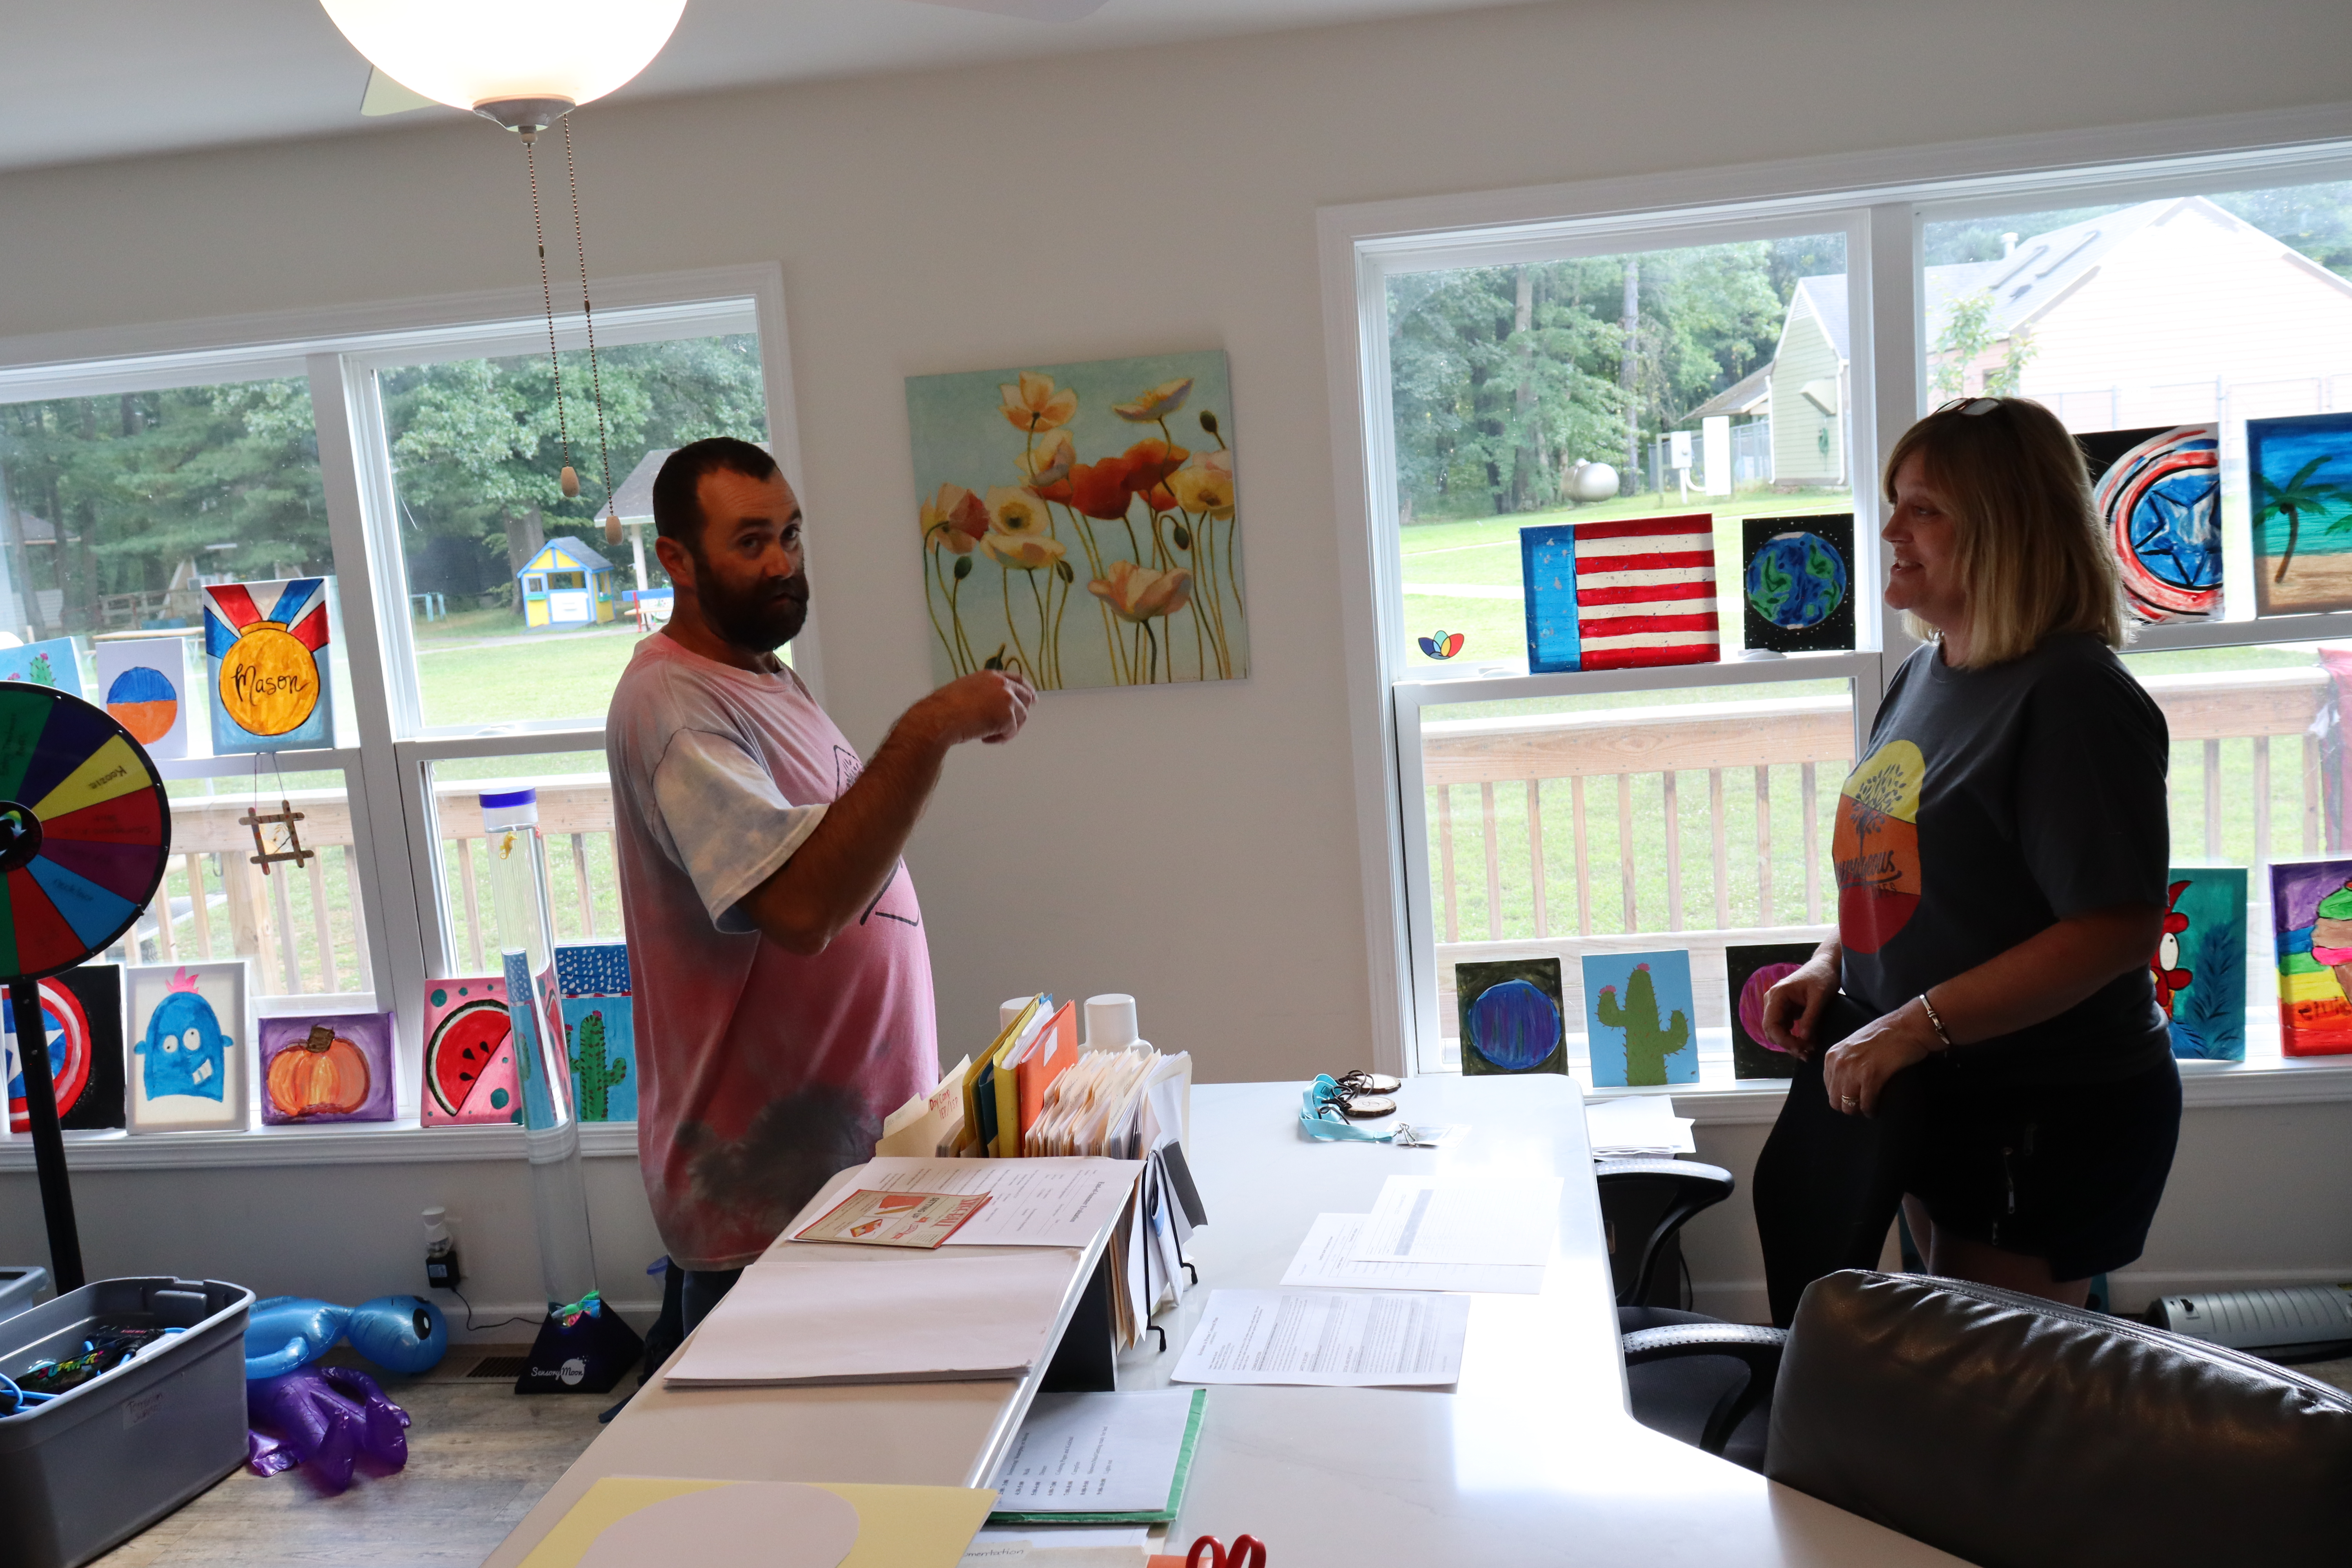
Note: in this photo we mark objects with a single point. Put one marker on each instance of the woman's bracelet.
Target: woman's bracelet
(1934, 1021)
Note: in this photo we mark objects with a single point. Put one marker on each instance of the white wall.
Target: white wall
(1196, 847)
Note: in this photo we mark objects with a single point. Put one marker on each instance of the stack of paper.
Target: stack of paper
(1631, 1125)
(1100, 1458)
(929, 1124)
(811, 1319)
(1351, 1339)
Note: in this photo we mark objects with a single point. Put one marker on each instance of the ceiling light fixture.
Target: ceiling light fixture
(525, 65)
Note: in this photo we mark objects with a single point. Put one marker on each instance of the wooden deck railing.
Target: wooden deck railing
(303, 928)
(1647, 762)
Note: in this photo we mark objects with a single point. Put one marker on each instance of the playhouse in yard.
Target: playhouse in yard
(567, 584)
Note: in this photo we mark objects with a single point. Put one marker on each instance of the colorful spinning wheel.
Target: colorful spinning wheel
(85, 833)
(85, 830)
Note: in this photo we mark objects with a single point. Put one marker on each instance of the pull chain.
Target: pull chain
(569, 481)
(588, 313)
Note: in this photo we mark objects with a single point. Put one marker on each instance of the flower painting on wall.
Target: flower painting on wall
(1078, 521)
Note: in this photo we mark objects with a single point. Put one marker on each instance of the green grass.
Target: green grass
(512, 676)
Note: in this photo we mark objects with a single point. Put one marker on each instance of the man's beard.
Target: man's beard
(762, 619)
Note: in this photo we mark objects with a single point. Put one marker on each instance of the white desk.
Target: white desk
(1531, 1459)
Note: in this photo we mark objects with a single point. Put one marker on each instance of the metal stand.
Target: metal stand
(49, 1143)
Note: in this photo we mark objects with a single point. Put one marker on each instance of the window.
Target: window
(1710, 378)
(2053, 304)
(478, 618)
(1561, 815)
(474, 447)
(1753, 357)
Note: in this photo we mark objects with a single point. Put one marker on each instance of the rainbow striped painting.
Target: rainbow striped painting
(1618, 595)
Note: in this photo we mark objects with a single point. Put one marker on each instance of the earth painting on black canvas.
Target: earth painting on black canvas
(1513, 1017)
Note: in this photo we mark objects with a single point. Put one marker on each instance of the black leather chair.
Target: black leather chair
(1692, 1377)
(2018, 1433)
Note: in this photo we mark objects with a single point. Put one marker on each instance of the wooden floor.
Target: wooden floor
(478, 1456)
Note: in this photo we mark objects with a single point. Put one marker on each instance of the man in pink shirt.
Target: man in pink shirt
(783, 990)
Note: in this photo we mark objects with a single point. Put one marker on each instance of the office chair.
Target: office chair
(2018, 1433)
(1691, 1378)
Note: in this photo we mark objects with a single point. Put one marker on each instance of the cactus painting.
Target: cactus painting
(1638, 1012)
(1512, 1020)
(601, 1034)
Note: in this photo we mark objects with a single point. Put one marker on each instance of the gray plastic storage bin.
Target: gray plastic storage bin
(95, 1466)
(20, 1289)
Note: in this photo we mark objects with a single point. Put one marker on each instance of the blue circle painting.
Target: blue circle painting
(1515, 1025)
(1796, 580)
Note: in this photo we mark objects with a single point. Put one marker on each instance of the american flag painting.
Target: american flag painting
(1614, 596)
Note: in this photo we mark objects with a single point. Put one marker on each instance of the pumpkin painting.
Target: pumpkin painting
(334, 1067)
(326, 1075)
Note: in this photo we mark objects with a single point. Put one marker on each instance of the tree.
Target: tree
(2299, 495)
(1966, 338)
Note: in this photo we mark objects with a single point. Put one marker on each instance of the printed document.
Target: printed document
(1327, 1261)
(1346, 1338)
(1096, 1453)
(1031, 1203)
(1460, 1219)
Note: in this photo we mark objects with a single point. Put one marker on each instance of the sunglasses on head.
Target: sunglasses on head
(1970, 406)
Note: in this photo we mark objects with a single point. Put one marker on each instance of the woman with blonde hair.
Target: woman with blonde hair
(2001, 857)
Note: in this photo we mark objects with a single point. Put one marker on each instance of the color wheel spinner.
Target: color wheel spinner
(85, 830)
(85, 835)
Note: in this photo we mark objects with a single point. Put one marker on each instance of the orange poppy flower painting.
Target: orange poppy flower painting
(1078, 521)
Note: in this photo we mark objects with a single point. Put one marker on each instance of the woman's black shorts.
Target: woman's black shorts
(2070, 1173)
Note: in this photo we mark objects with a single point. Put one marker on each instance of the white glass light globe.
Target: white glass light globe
(465, 52)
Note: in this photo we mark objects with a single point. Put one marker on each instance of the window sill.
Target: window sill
(400, 1143)
(2299, 1081)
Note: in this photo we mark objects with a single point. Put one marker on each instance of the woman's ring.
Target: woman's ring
(1849, 1102)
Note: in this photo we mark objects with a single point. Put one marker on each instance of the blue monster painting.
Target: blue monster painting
(184, 1049)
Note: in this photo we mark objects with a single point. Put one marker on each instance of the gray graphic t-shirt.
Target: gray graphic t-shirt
(1992, 805)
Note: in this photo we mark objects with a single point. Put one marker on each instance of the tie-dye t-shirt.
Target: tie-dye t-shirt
(762, 1072)
(1990, 804)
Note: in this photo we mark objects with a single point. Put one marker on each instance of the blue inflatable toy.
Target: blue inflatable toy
(406, 1334)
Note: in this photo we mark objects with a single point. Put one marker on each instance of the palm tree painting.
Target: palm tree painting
(1078, 522)
(2301, 475)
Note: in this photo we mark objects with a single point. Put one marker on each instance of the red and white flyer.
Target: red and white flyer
(871, 1218)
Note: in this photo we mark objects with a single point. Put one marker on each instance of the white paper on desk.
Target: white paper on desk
(1327, 1261)
(1460, 1219)
(1096, 1453)
(1031, 1203)
(1638, 1124)
(1059, 1546)
(806, 1318)
(1335, 1339)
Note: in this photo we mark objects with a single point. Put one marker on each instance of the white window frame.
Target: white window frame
(1881, 200)
(383, 748)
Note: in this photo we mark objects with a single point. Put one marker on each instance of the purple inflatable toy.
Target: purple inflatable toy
(326, 1419)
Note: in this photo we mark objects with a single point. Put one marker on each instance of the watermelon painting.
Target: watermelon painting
(469, 1065)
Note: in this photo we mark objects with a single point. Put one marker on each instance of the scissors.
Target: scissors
(1248, 1551)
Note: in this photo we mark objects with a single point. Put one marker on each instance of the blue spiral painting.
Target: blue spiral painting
(1514, 1027)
